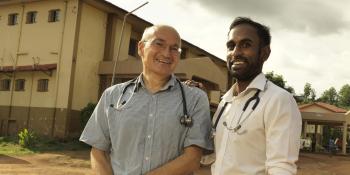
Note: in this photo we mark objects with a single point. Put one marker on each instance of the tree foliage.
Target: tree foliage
(85, 113)
(309, 94)
(330, 96)
(344, 96)
(279, 81)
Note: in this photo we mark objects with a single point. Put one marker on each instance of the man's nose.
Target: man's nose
(233, 54)
(166, 51)
(237, 51)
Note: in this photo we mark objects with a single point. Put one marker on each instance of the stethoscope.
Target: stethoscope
(185, 120)
(239, 122)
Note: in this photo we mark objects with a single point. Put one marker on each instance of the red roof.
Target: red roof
(323, 105)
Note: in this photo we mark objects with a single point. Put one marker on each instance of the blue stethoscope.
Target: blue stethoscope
(185, 120)
(239, 122)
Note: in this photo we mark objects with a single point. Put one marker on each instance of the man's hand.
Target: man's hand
(100, 162)
(195, 84)
(185, 164)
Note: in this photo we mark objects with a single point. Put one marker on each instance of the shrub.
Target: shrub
(86, 113)
(27, 138)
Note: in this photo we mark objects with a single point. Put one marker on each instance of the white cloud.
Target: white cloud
(310, 38)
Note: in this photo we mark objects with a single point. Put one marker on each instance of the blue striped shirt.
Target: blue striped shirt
(146, 133)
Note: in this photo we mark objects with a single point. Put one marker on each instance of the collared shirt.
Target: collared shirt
(146, 132)
(268, 140)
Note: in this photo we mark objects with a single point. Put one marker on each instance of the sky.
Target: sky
(310, 38)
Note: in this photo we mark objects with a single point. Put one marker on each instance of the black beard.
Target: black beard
(250, 74)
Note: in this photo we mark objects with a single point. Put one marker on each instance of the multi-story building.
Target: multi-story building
(56, 56)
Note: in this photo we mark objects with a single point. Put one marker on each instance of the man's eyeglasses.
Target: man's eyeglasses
(161, 45)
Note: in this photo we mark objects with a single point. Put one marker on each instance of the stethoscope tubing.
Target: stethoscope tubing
(185, 120)
(239, 123)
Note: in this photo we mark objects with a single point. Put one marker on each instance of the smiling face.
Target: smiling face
(159, 50)
(245, 55)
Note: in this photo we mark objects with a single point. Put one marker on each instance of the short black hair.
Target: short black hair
(262, 30)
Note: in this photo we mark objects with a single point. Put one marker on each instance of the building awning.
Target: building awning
(40, 67)
(327, 118)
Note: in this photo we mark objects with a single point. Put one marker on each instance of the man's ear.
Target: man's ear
(265, 52)
(140, 47)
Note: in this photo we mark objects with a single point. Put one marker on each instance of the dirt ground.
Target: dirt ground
(53, 163)
(77, 163)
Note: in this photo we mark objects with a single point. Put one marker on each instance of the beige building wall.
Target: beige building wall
(125, 40)
(41, 39)
(78, 45)
(215, 75)
(9, 35)
(39, 43)
(42, 99)
(90, 53)
(65, 56)
(190, 54)
(5, 96)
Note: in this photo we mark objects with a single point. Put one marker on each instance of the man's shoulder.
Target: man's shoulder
(193, 91)
(278, 94)
(117, 87)
(278, 91)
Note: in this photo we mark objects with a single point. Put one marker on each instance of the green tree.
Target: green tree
(344, 96)
(330, 96)
(279, 81)
(86, 112)
(309, 93)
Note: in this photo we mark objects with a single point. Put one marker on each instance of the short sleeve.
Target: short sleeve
(96, 131)
(199, 133)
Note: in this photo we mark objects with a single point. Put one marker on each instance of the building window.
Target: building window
(54, 15)
(183, 53)
(5, 84)
(19, 86)
(43, 85)
(133, 47)
(13, 19)
(31, 17)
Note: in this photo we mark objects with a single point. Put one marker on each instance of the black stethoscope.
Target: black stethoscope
(239, 123)
(185, 120)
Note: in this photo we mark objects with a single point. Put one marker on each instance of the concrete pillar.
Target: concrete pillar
(305, 129)
(345, 131)
(314, 140)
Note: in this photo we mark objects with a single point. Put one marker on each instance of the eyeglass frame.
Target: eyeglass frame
(160, 44)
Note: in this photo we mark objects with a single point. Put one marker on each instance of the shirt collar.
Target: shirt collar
(259, 82)
(168, 85)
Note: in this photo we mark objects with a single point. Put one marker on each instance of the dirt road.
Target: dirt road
(77, 163)
(55, 163)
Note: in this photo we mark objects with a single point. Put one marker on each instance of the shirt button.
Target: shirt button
(149, 136)
(151, 115)
(147, 158)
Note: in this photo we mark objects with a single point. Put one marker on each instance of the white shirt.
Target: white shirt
(268, 140)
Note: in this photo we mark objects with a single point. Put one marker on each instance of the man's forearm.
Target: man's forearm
(185, 164)
(100, 162)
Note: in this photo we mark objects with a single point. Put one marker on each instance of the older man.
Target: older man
(145, 125)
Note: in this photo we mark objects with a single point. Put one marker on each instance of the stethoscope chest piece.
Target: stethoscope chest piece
(186, 121)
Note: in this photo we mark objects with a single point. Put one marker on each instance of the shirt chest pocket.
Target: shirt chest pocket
(125, 117)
